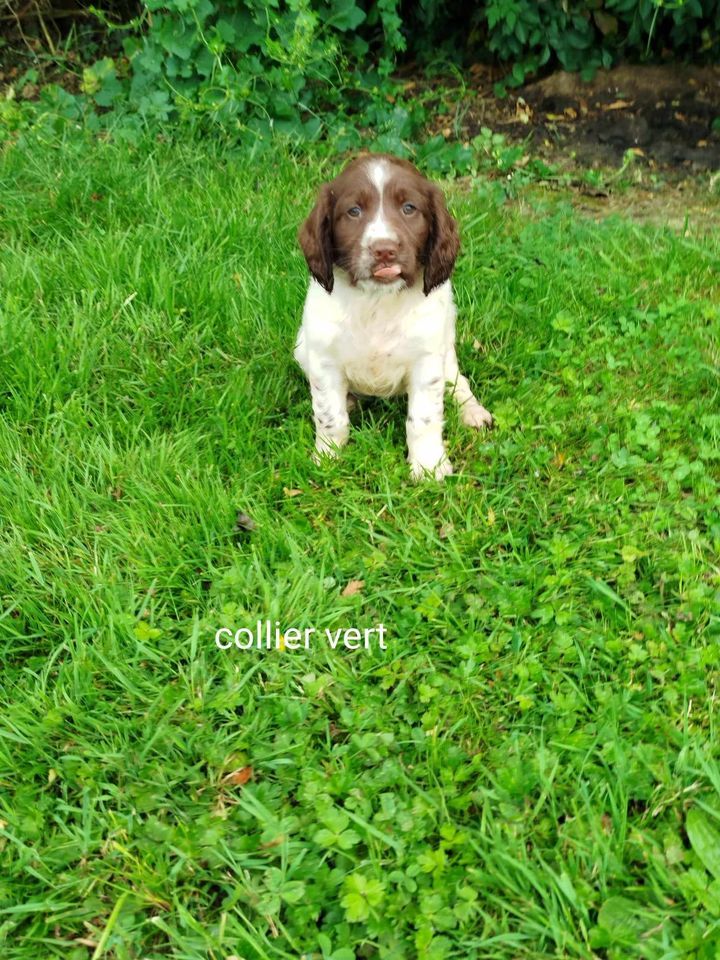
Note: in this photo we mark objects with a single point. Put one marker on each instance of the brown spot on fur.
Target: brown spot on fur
(315, 238)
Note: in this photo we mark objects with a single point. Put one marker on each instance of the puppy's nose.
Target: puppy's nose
(383, 251)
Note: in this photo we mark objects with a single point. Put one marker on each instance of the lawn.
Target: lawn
(530, 768)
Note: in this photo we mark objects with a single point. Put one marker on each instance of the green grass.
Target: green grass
(512, 777)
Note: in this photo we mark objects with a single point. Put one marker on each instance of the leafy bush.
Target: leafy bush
(308, 68)
(255, 65)
(589, 34)
(257, 62)
(251, 58)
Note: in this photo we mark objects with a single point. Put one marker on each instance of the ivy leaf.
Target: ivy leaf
(619, 916)
(242, 28)
(346, 15)
(704, 837)
(176, 38)
(143, 631)
(362, 894)
(325, 838)
(110, 91)
(334, 819)
(344, 840)
(292, 891)
(342, 953)
(269, 903)
(356, 906)
(348, 839)
(565, 322)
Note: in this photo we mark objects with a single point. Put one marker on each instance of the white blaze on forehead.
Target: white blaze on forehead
(378, 175)
(379, 228)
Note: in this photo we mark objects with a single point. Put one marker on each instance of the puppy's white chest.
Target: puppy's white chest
(374, 339)
(376, 353)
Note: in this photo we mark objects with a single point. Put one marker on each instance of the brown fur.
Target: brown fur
(427, 237)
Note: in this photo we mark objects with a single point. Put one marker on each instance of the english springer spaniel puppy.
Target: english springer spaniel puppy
(379, 317)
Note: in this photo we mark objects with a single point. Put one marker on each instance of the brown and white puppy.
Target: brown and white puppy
(379, 316)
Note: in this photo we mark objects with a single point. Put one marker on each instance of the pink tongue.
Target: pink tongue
(394, 271)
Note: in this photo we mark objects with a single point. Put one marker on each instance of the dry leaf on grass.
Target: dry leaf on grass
(244, 523)
(523, 112)
(239, 777)
(275, 842)
(617, 105)
(355, 586)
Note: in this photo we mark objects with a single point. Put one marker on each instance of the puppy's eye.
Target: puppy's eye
(408, 208)
(354, 212)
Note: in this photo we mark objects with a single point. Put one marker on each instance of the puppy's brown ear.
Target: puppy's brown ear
(316, 238)
(443, 243)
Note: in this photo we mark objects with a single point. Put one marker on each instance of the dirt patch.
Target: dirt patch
(669, 116)
(685, 207)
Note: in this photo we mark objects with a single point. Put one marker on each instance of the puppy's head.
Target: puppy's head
(383, 223)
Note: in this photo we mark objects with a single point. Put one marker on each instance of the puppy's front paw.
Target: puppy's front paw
(323, 453)
(475, 415)
(420, 471)
(330, 445)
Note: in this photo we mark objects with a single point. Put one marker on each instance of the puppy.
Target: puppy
(379, 317)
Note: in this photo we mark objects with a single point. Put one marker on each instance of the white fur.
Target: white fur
(383, 340)
(378, 228)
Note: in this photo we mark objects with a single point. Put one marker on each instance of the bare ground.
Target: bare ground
(668, 115)
(658, 124)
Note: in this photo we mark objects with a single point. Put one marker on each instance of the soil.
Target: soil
(668, 116)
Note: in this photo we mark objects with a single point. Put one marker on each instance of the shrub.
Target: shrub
(303, 68)
(256, 61)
